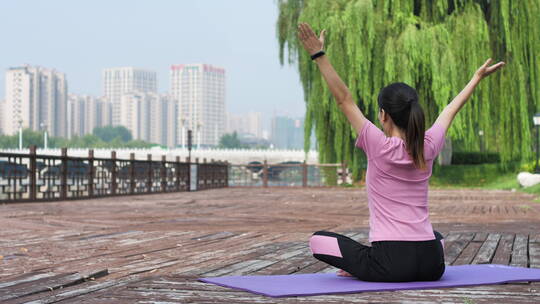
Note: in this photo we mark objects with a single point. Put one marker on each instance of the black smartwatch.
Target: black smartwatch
(317, 55)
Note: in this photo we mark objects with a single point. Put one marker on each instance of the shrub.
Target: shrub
(474, 158)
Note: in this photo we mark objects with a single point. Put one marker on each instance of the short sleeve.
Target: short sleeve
(370, 139)
(434, 141)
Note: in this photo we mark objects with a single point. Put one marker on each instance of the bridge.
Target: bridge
(234, 156)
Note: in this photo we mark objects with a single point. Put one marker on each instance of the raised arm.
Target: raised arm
(339, 90)
(449, 112)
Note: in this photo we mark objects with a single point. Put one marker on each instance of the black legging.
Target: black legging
(385, 261)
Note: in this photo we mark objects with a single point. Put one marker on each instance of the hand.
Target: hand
(343, 273)
(485, 70)
(309, 40)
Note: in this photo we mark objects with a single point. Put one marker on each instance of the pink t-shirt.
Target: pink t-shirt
(397, 191)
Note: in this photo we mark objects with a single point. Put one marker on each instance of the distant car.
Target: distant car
(255, 167)
(13, 170)
(75, 169)
(275, 170)
(140, 170)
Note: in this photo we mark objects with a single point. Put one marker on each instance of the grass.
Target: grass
(486, 176)
(509, 182)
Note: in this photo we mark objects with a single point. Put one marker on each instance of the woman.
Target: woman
(404, 245)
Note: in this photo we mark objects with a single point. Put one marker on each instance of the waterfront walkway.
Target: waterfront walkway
(152, 248)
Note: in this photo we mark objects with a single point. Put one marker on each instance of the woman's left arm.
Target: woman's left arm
(339, 90)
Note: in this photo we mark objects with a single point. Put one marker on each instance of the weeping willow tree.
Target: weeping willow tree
(434, 46)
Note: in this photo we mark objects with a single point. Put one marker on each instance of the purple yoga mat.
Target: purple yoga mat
(330, 283)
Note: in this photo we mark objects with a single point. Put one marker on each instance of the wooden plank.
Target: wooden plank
(48, 284)
(215, 236)
(480, 237)
(534, 255)
(454, 248)
(229, 258)
(175, 282)
(504, 250)
(314, 267)
(468, 254)
(487, 250)
(534, 238)
(82, 292)
(185, 296)
(519, 251)
(451, 237)
(28, 277)
(289, 266)
(237, 268)
(207, 261)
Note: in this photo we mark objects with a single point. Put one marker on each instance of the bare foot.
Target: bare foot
(343, 273)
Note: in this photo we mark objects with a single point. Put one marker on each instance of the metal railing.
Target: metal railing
(288, 175)
(33, 177)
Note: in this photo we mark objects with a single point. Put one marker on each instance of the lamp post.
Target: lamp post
(20, 134)
(44, 127)
(189, 143)
(536, 120)
(199, 131)
(183, 120)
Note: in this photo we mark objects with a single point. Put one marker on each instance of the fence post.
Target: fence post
(163, 173)
(33, 172)
(179, 173)
(63, 175)
(212, 173)
(150, 172)
(227, 169)
(265, 174)
(188, 176)
(304, 174)
(197, 178)
(343, 173)
(132, 173)
(91, 173)
(114, 184)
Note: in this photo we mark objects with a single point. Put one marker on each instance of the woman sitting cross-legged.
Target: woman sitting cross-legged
(404, 246)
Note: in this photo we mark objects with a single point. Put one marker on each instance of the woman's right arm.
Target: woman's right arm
(449, 112)
(339, 90)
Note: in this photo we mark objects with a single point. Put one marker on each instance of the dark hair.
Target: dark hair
(400, 101)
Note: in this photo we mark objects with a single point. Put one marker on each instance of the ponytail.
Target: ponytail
(414, 135)
(400, 101)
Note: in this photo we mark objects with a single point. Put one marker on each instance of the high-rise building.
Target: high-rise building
(123, 80)
(249, 123)
(86, 113)
(287, 133)
(150, 117)
(200, 92)
(163, 119)
(134, 109)
(36, 98)
(2, 115)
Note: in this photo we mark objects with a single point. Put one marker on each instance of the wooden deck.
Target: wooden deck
(152, 248)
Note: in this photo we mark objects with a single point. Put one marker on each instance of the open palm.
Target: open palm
(485, 70)
(309, 40)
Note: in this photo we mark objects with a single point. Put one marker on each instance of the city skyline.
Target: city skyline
(196, 102)
(149, 36)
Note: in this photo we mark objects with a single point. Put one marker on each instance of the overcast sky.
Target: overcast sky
(80, 38)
